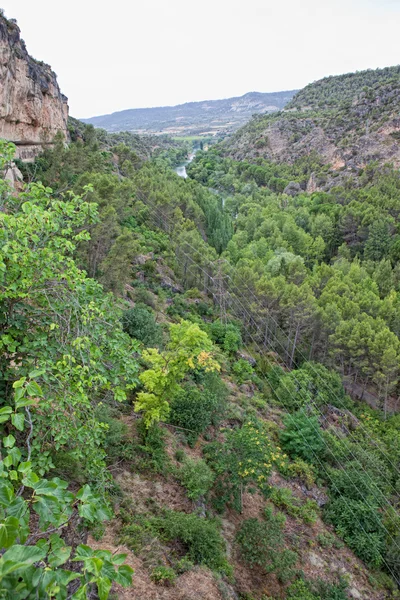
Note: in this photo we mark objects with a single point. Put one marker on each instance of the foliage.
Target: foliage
(242, 370)
(302, 436)
(283, 498)
(32, 557)
(188, 348)
(58, 323)
(201, 537)
(195, 409)
(227, 335)
(360, 525)
(197, 477)
(163, 575)
(139, 323)
(261, 544)
(245, 458)
(304, 589)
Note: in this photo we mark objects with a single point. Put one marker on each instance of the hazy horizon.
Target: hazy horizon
(120, 57)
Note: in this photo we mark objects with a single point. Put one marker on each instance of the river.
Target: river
(181, 169)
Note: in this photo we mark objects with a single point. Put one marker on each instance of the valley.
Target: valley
(200, 344)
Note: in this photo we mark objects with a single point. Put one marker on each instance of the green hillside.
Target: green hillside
(348, 120)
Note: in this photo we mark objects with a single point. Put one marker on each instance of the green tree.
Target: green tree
(189, 348)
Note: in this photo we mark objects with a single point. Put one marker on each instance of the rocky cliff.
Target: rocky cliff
(348, 121)
(32, 108)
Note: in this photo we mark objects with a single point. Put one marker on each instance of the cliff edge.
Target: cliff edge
(32, 108)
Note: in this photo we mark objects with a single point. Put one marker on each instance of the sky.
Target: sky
(121, 54)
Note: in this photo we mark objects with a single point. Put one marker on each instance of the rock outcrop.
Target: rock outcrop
(32, 108)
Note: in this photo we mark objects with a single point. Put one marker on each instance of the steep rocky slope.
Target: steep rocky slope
(349, 120)
(194, 118)
(32, 108)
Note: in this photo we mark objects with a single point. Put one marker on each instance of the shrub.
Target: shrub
(201, 537)
(244, 458)
(312, 384)
(304, 471)
(150, 453)
(197, 477)
(243, 370)
(353, 482)
(302, 436)
(140, 324)
(261, 544)
(194, 409)
(316, 590)
(360, 525)
(163, 575)
(283, 498)
(143, 296)
(226, 335)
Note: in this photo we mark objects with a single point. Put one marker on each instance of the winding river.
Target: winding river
(181, 169)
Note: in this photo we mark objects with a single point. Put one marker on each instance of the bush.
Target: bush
(302, 436)
(226, 335)
(312, 384)
(243, 370)
(361, 527)
(283, 498)
(163, 575)
(261, 544)
(302, 470)
(143, 296)
(195, 409)
(245, 458)
(353, 482)
(150, 453)
(316, 590)
(140, 324)
(200, 536)
(197, 477)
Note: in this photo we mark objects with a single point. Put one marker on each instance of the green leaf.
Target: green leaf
(6, 493)
(17, 508)
(103, 588)
(59, 556)
(124, 575)
(82, 552)
(8, 531)
(5, 413)
(9, 441)
(18, 557)
(33, 389)
(18, 420)
(24, 467)
(118, 559)
(19, 383)
(80, 594)
(36, 373)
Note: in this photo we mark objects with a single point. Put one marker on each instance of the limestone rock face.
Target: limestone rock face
(32, 108)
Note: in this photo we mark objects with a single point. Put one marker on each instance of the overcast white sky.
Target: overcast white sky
(121, 54)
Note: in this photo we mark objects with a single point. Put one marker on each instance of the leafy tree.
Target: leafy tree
(189, 348)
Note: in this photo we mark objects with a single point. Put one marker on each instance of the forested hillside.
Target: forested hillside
(200, 379)
(348, 120)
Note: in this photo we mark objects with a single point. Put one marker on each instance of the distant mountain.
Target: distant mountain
(206, 118)
(348, 120)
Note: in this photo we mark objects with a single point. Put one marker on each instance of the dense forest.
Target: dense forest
(200, 377)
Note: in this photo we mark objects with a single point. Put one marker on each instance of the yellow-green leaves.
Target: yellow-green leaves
(189, 348)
